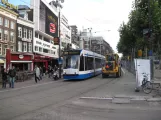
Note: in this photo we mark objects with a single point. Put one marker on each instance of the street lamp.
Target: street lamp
(60, 6)
(90, 29)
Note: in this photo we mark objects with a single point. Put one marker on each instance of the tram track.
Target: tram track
(78, 93)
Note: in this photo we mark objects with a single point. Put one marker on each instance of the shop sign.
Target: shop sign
(5, 2)
(56, 40)
(21, 56)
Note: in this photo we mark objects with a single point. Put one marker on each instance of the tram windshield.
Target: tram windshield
(71, 61)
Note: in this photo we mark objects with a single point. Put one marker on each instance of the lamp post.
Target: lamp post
(60, 6)
(90, 29)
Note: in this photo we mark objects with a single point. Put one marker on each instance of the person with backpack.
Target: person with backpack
(12, 76)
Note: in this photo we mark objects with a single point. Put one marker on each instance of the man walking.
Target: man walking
(37, 73)
(12, 75)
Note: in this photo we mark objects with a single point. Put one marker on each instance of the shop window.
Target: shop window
(24, 47)
(0, 49)
(5, 35)
(30, 47)
(20, 32)
(12, 37)
(1, 21)
(1, 34)
(6, 23)
(12, 25)
(4, 49)
(19, 46)
(36, 48)
(25, 33)
(12, 48)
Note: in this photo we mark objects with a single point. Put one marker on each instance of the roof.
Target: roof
(23, 7)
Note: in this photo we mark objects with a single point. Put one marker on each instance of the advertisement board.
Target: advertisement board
(48, 21)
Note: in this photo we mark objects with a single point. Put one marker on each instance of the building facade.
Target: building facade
(75, 37)
(46, 28)
(65, 32)
(8, 25)
(99, 45)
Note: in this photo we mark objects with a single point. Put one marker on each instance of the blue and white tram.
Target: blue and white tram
(81, 64)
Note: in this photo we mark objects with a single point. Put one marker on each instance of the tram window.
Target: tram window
(81, 68)
(98, 63)
(89, 63)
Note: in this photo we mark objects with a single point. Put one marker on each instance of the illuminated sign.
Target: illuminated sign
(56, 40)
(71, 53)
(9, 4)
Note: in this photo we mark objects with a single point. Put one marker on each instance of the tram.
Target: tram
(81, 64)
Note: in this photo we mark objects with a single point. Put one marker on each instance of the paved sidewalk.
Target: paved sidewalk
(28, 83)
(120, 87)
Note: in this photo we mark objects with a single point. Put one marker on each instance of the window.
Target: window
(12, 48)
(19, 46)
(24, 47)
(25, 33)
(5, 35)
(81, 68)
(36, 48)
(4, 50)
(12, 25)
(30, 34)
(71, 61)
(20, 32)
(12, 37)
(40, 49)
(45, 50)
(40, 37)
(6, 23)
(36, 35)
(1, 34)
(1, 21)
(89, 63)
(0, 49)
(30, 47)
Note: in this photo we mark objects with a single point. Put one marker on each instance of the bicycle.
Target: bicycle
(147, 86)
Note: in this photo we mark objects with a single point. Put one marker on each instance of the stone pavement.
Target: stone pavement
(28, 83)
(121, 90)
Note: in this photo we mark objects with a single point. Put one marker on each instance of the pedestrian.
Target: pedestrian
(41, 73)
(37, 73)
(55, 68)
(44, 70)
(12, 76)
(49, 71)
(4, 78)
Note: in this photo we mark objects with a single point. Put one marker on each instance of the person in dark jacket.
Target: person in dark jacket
(4, 78)
(12, 75)
(44, 70)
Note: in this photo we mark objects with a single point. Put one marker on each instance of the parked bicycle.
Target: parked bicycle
(147, 86)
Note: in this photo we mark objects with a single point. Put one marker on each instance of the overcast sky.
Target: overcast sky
(101, 15)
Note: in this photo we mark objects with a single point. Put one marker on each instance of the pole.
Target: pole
(59, 47)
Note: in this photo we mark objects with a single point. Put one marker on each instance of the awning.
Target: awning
(1, 61)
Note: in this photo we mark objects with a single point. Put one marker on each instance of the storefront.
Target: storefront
(41, 60)
(22, 61)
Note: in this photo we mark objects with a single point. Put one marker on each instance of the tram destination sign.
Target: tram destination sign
(71, 52)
